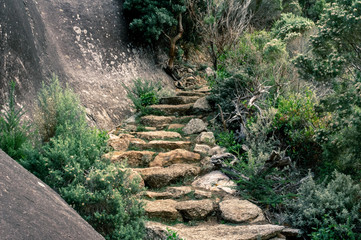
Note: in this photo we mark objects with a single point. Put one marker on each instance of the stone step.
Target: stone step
(164, 145)
(178, 100)
(191, 93)
(182, 192)
(133, 158)
(164, 210)
(158, 135)
(157, 177)
(181, 109)
(213, 231)
(156, 121)
(195, 209)
(174, 157)
(170, 210)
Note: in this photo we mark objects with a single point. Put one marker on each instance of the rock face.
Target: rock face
(32, 210)
(84, 42)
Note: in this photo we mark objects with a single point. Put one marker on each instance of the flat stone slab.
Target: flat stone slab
(30, 209)
(157, 177)
(195, 209)
(181, 109)
(158, 135)
(178, 100)
(175, 126)
(178, 192)
(240, 211)
(133, 158)
(162, 209)
(156, 121)
(165, 145)
(214, 231)
(158, 195)
(175, 156)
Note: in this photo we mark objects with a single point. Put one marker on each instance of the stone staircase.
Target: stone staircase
(185, 193)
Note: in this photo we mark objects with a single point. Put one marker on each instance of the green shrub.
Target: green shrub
(57, 110)
(229, 141)
(335, 47)
(341, 140)
(70, 162)
(295, 126)
(106, 199)
(14, 132)
(335, 204)
(274, 50)
(331, 232)
(291, 26)
(143, 93)
(173, 235)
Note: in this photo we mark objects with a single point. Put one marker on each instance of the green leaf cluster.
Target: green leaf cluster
(149, 19)
(14, 132)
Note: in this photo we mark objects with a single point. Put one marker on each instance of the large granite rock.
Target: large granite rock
(29, 209)
(84, 42)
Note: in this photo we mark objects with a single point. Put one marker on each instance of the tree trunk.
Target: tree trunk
(172, 42)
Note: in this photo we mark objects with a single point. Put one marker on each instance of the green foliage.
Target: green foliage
(149, 19)
(295, 126)
(292, 6)
(334, 204)
(14, 132)
(341, 141)
(69, 160)
(274, 50)
(331, 232)
(265, 12)
(228, 140)
(267, 188)
(291, 26)
(58, 110)
(173, 235)
(313, 8)
(105, 198)
(143, 93)
(337, 43)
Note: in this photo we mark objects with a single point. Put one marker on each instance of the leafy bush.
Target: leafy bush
(149, 19)
(173, 235)
(295, 126)
(143, 93)
(336, 45)
(70, 162)
(14, 132)
(335, 204)
(229, 141)
(341, 141)
(106, 199)
(291, 26)
(57, 110)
